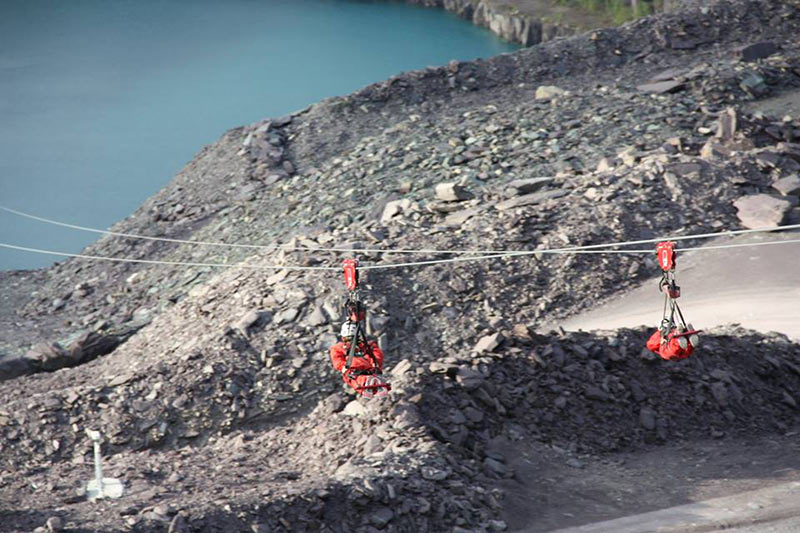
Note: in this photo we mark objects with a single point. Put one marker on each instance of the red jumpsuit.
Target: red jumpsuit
(671, 351)
(362, 364)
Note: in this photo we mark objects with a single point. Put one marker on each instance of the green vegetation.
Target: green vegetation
(618, 11)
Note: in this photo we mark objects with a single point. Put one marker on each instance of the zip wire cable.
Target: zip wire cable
(567, 251)
(401, 250)
(236, 245)
(741, 245)
(173, 263)
(504, 254)
(390, 265)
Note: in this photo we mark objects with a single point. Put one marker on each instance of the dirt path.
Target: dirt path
(757, 287)
(669, 487)
(770, 509)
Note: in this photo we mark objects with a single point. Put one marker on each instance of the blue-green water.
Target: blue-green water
(103, 101)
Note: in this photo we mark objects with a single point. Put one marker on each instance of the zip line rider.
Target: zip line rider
(674, 339)
(363, 372)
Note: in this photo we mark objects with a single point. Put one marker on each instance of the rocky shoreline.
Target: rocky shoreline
(213, 388)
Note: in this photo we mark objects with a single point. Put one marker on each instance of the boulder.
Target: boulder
(629, 156)
(488, 343)
(469, 378)
(355, 408)
(251, 319)
(441, 367)
(726, 124)
(394, 208)
(277, 277)
(452, 192)
(605, 164)
(381, 517)
(287, 315)
(754, 84)
(595, 393)
(330, 405)
(13, 367)
(459, 217)
(178, 525)
(401, 368)
(527, 186)
(762, 210)
(433, 474)
(660, 87)
(760, 50)
(790, 185)
(548, 92)
(647, 418)
(713, 149)
(495, 466)
(789, 149)
(54, 524)
(317, 317)
(497, 525)
(530, 199)
(93, 344)
(48, 356)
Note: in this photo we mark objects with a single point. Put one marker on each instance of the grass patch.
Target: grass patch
(619, 11)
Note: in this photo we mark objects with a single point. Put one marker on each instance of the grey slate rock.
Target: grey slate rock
(660, 87)
(488, 343)
(530, 199)
(317, 317)
(495, 466)
(727, 124)
(48, 356)
(452, 192)
(762, 210)
(12, 367)
(178, 525)
(526, 186)
(54, 524)
(469, 378)
(647, 418)
(381, 517)
(287, 315)
(549, 92)
(251, 319)
(790, 185)
(760, 50)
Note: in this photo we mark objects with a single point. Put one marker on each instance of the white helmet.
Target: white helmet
(348, 329)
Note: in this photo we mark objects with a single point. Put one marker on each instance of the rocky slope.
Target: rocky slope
(212, 385)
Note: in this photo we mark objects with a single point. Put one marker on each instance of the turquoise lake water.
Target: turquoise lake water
(103, 101)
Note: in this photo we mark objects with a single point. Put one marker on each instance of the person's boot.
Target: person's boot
(694, 338)
(683, 342)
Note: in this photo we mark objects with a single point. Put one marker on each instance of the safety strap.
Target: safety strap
(353, 347)
(375, 371)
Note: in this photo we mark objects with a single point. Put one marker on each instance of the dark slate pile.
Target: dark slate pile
(422, 460)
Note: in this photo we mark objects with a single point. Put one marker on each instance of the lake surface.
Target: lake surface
(103, 101)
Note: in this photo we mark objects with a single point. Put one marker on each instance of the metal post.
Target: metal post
(98, 466)
(101, 487)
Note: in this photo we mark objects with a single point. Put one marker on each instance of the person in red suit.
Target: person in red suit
(672, 347)
(363, 375)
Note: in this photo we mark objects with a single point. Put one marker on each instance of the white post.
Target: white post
(101, 487)
(98, 465)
